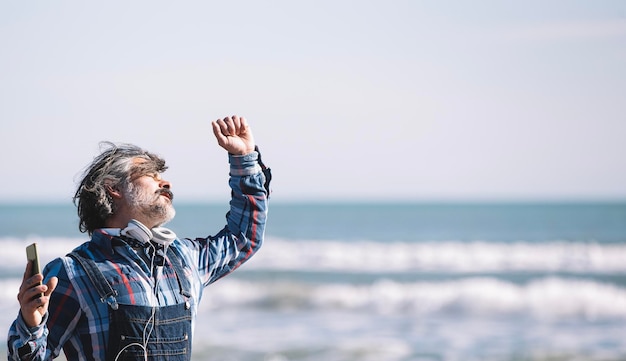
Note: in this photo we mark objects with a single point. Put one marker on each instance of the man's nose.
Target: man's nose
(165, 184)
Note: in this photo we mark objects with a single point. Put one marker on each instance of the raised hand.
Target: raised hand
(234, 135)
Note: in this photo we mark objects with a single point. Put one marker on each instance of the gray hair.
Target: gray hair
(113, 168)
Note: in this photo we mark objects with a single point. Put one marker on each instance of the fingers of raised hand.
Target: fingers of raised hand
(52, 284)
(232, 126)
(31, 288)
(226, 126)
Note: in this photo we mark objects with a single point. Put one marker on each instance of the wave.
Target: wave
(393, 257)
(547, 298)
(544, 295)
(13, 255)
(441, 257)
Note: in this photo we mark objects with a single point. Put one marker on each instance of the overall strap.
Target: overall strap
(105, 291)
(177, 264)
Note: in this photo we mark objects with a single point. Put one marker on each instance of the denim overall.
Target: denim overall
(164, 332)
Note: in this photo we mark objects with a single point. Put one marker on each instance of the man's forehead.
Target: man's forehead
(143, 165)
(139, 161)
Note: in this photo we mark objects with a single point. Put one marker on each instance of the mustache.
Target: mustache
(168, 193)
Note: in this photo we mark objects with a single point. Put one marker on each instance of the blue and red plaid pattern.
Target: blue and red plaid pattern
(77, 321)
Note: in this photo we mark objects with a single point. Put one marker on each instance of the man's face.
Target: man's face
(150, 197)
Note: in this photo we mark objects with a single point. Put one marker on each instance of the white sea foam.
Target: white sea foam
(540, 296)
(450, 256)
(13, 255)
(546, 298)
(398, 257)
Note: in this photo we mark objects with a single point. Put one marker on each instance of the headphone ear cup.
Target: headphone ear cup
(138, 231)
(163, 236)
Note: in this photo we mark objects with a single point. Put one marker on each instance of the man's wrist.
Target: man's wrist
(28, 331)
(243, 165)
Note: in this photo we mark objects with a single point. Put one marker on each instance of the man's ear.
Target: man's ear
(114, 191)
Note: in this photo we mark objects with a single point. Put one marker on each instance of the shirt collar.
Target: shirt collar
(103, 238)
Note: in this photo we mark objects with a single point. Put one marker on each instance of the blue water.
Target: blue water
(601, 222)
(392, 281)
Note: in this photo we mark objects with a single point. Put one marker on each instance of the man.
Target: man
(132, 291)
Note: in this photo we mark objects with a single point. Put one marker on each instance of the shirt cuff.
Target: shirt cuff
(31, 333)
(243, 165)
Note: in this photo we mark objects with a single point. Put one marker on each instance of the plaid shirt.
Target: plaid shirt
(77, 321)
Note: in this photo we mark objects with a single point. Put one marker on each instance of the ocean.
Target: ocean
(390, 282)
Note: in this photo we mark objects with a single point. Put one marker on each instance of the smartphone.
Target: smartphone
(33, 257)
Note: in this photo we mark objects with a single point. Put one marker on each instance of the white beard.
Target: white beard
(150, 205)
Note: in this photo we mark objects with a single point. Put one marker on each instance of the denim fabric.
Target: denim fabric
(164, 332)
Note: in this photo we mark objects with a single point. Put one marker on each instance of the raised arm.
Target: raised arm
(249, 181)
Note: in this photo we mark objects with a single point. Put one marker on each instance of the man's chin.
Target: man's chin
(163, 215)
(171, 213)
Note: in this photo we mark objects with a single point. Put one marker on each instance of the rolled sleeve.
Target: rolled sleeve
(244, 165)
(26, 341)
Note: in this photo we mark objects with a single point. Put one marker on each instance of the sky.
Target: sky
(348, 100)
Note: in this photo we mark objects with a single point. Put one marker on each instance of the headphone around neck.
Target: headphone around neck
(158, 235)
